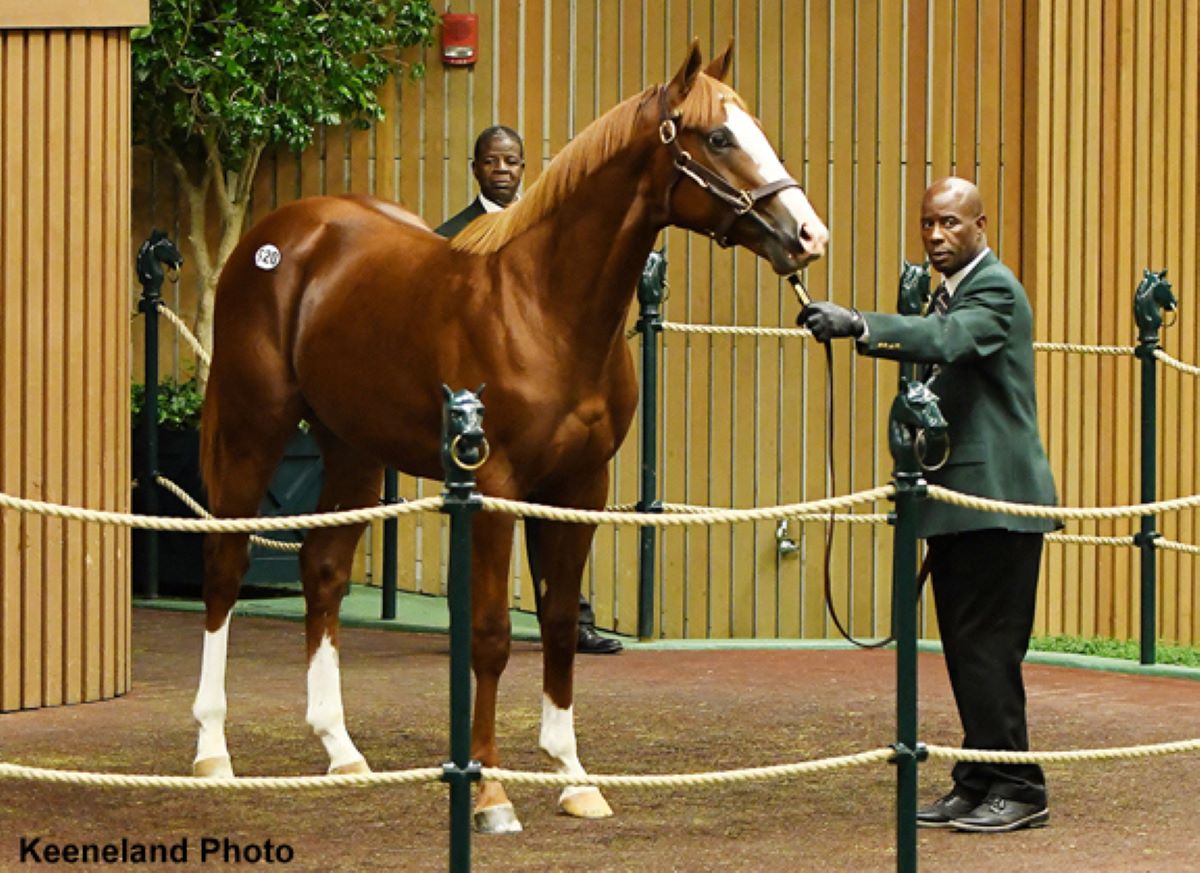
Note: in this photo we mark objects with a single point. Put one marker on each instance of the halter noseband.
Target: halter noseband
(740, 200)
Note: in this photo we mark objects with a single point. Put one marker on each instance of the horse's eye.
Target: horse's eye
(720, 140)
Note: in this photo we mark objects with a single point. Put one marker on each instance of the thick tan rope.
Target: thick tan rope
(1032, 510)
(243, 783)
(195, 507)
(223, 525)
(1087, 540)
(677, 780)
(1178, 365)
(1079, 348)
(734, 330)
(434, 774)
(947, 753)
(496, 774)
(188, 336)
(746, 330)
(711, 516)
(1173, 546)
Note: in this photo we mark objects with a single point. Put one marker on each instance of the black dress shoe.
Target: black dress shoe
(942, 813)
(591, 643)
(998, 815)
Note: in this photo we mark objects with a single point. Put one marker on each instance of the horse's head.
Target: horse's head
(156, 251)
(1153, 295)
(463, 442)
(728, 181)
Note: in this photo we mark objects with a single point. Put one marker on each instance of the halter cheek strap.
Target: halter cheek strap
(742, 202)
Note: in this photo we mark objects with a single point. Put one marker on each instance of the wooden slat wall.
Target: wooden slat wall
(1048, 104)
(64, 374)
(1113, 177)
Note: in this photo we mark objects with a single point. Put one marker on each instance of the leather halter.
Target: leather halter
(742, 202)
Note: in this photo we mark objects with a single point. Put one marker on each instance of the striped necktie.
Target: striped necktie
(940, 303)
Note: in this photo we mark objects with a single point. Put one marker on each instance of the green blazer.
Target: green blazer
(984, 348)
(455, 223)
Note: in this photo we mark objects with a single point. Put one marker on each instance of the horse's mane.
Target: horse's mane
(581, 157)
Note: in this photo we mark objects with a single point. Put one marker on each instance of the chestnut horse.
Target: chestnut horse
(351, 314)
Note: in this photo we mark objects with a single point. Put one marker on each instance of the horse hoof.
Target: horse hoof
(584, 803)
(499, 819)
(219, 767)
(359, 766)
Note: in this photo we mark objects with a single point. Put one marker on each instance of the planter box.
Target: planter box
(294, 489)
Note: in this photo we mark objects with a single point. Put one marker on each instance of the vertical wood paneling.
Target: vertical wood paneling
(1049, 106)
(64, 293)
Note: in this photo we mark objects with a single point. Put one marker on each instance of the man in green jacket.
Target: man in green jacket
(976, 342)
(498, 166)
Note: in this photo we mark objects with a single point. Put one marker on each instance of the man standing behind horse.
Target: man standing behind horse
(498, 166)
(977, 344)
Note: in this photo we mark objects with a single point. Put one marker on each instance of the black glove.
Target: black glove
(828, 320)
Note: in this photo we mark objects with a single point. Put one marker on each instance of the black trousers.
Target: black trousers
(985, 589)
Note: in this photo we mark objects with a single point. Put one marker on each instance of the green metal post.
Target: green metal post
(651, 289)
(1148, 633)
(911, 299)
(915, 406)
(1152, 296)
(460, 502)
(909, 487)
(391, 494)
(151, 278)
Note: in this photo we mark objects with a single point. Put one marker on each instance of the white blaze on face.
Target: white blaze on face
(325, 706)
(753, 142)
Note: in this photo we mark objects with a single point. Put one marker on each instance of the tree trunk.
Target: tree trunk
(232, 201)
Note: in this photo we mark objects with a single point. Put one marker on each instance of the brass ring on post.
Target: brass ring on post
(919, 445)
(1174, 318)
(463, 465)
(173, 273)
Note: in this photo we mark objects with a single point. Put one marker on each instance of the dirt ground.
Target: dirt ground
(639, 712)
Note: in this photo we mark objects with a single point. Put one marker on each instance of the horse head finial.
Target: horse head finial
(914, 288)
(1152, 297)
(915, 425)
(156, 251)
(652, 283)
(464, 446)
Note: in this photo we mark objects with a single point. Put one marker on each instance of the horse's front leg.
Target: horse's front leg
(325, 561)
(491, 641)
(558, 553)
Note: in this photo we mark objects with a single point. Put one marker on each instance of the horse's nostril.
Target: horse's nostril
(813, 238)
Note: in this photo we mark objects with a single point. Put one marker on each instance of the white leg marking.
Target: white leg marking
(558, 741)
(754, 143)
(209, 706)
(325, 706)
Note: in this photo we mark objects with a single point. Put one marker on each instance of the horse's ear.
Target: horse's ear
(479, 390)
(446, 392)
(721, 64)
(679, 86)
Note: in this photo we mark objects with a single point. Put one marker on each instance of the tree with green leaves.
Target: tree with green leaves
(217, 82)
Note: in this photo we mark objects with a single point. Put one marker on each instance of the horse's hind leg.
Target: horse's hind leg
(558, 553)
(240, 464)
(352, 481)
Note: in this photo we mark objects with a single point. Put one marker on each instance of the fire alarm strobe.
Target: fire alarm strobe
(460, 38)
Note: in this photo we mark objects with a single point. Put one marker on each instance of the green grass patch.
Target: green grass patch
(1125, 650)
